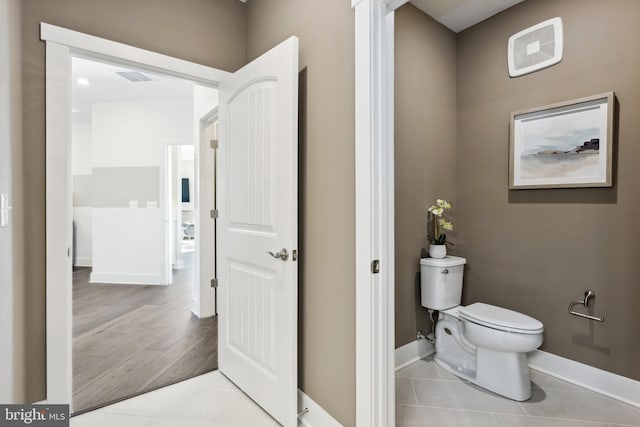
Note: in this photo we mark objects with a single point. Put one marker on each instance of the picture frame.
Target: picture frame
(563, 145)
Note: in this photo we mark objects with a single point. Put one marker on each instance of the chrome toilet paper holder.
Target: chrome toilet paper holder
(587, 295)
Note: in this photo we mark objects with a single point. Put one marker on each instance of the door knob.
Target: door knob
(283, 254)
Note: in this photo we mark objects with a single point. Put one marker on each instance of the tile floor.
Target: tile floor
(427, 395)
(208, 400)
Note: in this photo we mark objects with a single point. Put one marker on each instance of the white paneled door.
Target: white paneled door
(258, 230)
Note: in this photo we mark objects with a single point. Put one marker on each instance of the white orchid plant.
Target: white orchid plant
(436, 216)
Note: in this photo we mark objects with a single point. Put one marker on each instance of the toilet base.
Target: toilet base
(503, 373)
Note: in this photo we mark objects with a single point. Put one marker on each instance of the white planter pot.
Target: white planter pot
(437, 251)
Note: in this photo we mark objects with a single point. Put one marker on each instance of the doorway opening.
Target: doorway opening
(257, 156)
(141, 320)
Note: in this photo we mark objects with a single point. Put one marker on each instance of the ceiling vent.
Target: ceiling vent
(535, 48)
(134, 76)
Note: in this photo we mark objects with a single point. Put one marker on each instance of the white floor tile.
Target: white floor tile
(105, 419)
(459, 395)
(577, 404)
(404, 392)
(444, 400)
(210, 400)
(420, 369)
(526, 421)
(416, 416)
(540, 380)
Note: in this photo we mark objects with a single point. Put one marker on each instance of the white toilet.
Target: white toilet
(480, 343)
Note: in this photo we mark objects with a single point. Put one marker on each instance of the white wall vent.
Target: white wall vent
(535, 48)
(134, 76)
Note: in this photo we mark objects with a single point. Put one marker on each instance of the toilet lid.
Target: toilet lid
(501, 318)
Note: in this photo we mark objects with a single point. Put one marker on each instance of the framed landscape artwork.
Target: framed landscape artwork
(565, 145)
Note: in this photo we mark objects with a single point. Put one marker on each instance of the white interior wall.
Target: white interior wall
(133, 134)
(81, 165)
(136, 133)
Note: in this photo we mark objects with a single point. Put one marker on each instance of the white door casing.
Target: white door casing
(375, 323)
(61, 44)
(258, 195)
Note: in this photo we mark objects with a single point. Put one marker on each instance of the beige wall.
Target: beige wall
(537, 250)
(210, 32)
(327, 187)
(425, 150)
(12, 336)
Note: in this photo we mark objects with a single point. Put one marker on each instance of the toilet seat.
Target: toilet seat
(500, 318)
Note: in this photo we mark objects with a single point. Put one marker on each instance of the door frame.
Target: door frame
(375, 222)
(204, 305)
(61, 45)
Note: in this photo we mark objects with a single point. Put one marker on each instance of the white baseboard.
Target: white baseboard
(314, 415)
(412, 352)
(594, 379)
(83, 262)
(126, 279)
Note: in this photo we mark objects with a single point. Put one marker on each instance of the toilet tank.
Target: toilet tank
(441, 282)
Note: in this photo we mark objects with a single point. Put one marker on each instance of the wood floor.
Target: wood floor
(128, 339)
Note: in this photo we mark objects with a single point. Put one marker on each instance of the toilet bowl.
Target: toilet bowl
(482, 343)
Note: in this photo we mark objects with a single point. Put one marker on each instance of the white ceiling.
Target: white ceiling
(107, 86)
(460, 14)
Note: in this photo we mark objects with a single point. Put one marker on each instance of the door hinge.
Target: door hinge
(214, 213)
(214, 144)
(214, 283)
(375, 266)
(294, 255)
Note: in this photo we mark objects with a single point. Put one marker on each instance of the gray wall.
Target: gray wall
(537, 250)
(115, 187)
(327, 188)
(209, 32)
(12, 308)
(425, 150)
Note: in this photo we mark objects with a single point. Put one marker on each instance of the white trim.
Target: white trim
(316, 416)
(126, 279)
(375, 380)
(393, 5)
(58, 224)
(412, 352)
(205, 302)
(60, 45)
(83, 262)
(594, 379)
(109, 50)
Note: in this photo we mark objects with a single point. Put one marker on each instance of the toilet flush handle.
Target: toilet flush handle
(445, 271)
